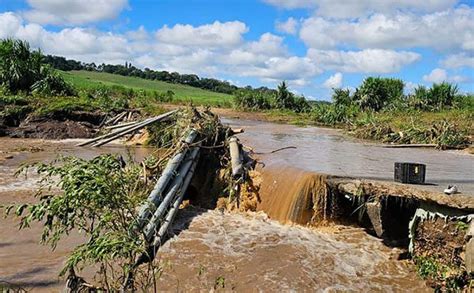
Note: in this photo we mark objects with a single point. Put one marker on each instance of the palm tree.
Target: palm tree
(284, 98)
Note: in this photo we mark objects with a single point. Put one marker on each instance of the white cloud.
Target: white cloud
(450, 29)
(292, 4)
(334, 81)
(438, 75)
(364, 61)
(10, 23)
(84, 44)
(290, 26)
(458, 60)
(279, 68)
(354, 9)
(73, 11)
(217, 34)
(138, 35)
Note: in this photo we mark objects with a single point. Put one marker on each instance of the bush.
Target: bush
(332, 114)
(97, 198)
(342, 97)
(252, 100)
(53, 85)
(375, 92)
(437, 97)
(21, 69)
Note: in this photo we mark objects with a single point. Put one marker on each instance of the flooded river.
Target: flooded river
(329, 151)
(242, 252)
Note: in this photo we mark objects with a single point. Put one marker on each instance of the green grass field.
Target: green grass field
(88, 79)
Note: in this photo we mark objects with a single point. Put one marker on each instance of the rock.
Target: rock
(374, 211)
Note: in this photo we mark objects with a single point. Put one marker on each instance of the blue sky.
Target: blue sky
(315, 45)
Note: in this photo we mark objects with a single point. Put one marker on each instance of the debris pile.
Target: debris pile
(126, 209)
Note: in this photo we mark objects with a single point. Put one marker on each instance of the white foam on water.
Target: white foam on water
(269, 256)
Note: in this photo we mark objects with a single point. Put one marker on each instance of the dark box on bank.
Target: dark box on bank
(412, 173)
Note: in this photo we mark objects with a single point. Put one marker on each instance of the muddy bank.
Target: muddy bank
(57, 125)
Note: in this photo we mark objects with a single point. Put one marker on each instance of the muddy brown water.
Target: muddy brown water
(242, 252)
(329, 151)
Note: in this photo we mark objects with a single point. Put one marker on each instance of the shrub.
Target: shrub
(52, 85)
(300, 105)
(442, 94)
(252, 100)
(284, 99)
(375, 92)
(341, 97)
(97, 198)
(332, 114)
(21, 69)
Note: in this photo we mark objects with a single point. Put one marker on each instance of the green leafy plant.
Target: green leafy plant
(219, 282)
(97, 198)
(22, 69)
(375, 92)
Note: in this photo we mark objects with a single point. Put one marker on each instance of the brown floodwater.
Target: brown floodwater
(242, 252)
(329, 151)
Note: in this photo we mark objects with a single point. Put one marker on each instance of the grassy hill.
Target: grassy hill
(88, 79)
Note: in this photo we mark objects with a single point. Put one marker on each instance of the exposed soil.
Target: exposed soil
(440, 238)
(439, 251)
(60, 125)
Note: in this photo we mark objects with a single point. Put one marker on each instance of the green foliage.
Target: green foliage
(52, 84)
(283, 98)
(439, 96)
(375, 92)
(342, 97)
(443, 277)
(300, 105)
(219, 283)
(87, 80)
(98, 198)
(342, 109)
(334, 114)
(252, 100)
(442, 133)
(442, 94)
(22, 69)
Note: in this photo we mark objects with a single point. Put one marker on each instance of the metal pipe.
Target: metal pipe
(174, 207)
(155, 196)
(175, 186)
(236, 157)
(121, 125)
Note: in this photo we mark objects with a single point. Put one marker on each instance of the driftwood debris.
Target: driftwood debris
(106, 138)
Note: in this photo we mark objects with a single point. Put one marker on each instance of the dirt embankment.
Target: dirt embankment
(58, 125)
